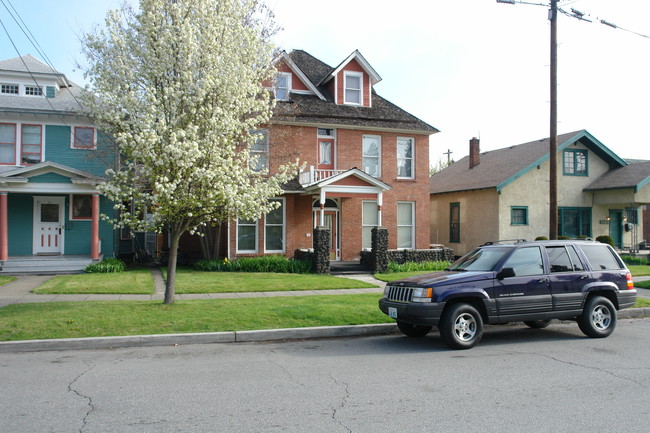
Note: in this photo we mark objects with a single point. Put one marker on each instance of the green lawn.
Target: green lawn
(639, 270)
(133, 281)
(4, 279)
(111, 318)
(643, 284)
(191, 281)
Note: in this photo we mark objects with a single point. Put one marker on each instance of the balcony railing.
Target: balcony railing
(313, 175)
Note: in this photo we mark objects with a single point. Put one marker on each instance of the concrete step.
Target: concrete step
(44, 265)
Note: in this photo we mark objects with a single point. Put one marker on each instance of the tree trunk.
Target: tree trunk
(175, 235)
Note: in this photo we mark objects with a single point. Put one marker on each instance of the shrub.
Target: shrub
(634, 260)
(541, 238)
(605, 239)
(106, 266)
(417, 266)
(272, 263)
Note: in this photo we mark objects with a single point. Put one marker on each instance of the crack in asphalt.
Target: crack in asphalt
(344, 401)
(91, 407)
(283, 368)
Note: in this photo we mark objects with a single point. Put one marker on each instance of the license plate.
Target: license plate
(392, 312)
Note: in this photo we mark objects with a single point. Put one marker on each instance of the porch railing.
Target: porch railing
(313, 175)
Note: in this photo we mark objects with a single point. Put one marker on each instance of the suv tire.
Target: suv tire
(413, 330)
(537, 324)
(461, 326)
(598, 318)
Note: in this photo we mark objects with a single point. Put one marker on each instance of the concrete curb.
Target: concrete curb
(197, 338)
(225, 337)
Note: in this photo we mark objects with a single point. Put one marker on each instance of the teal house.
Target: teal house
(51, 160)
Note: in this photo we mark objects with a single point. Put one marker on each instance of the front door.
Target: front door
(616, 226)
(331, 222)
(48, 225)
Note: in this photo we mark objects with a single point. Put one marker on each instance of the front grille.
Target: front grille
(400, 294)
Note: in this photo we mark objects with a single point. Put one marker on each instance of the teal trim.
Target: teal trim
(602, 151)
(514, 216)
(574, 221)
(454, 222)
(50, 92)
(616, 226)
(50, 178)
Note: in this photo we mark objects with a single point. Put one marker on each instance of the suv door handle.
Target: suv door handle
(583, 277)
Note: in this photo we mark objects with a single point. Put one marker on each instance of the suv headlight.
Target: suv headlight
(422, 294)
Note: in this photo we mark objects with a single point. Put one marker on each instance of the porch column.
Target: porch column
(322, 208)
(4, 241)
(94, 231)
(380, 197)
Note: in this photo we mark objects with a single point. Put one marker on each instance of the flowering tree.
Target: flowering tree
(178, 85)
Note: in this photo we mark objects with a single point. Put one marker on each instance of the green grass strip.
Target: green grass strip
(643, 284)
(113, 318)
(639, 270)
(133, 281)
(4, 279)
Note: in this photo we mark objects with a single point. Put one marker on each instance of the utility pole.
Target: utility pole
(553, 223)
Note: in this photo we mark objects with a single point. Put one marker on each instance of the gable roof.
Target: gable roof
(356, 55)
(500, 167)
(314, 110)
(20, 174)
(635, 175)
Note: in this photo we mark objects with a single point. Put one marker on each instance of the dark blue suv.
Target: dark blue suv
(498, 283)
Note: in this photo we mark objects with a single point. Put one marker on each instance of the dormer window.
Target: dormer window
(282, 86)
(9, 89)
(352, 84)
(33, 91)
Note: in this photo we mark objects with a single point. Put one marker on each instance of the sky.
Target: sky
(470, 68)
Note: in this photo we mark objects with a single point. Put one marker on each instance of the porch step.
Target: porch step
(45, 265)
(343, 268)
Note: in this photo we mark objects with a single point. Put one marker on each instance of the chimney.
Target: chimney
(474, 152)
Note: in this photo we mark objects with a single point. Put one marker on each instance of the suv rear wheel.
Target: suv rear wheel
(461, 326)
(413, 330)
(598, 319)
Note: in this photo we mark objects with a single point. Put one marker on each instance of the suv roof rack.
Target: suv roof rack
(504, 241)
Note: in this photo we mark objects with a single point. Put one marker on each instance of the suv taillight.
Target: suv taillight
(630, 282)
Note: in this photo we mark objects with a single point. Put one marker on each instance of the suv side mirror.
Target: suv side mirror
(505, 273)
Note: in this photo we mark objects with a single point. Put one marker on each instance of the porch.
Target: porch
(46, 265)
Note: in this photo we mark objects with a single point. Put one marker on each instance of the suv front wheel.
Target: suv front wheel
(461, 326)
(598, 318)
(413, 330)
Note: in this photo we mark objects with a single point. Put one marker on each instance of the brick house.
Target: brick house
(367, 163)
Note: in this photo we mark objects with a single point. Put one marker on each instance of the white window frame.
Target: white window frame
(31, 86)
(5, 86)
(412, 225)
(73, 135)
(255, 223)
(283, 225)
(262, 153)
(365, 226)
(287, 89)
(347, 74)
(378, 157)
(15, 143)
(412, 158)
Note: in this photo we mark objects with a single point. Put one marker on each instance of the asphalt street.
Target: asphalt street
(517, 379)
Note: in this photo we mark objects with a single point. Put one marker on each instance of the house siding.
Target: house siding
(58, 149)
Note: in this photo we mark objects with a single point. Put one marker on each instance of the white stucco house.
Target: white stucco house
(504, 194)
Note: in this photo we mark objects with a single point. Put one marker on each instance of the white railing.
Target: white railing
(313, 175)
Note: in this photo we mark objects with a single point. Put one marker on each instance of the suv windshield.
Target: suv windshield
(481, 259)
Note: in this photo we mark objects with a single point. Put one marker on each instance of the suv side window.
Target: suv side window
(577, 264)
(526, 261)
(601, 257)
(558, 258)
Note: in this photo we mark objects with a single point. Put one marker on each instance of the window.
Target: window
(405, 158)
(246, 236)
(372, 155)
(575, 163)
(81, 207)
(325, 153)
(406, 225)
(11, 89)
(7, 143)
(83, 138)
(519, 215)
(260, 151)
(454, 222)
(558, 259)
(282, 86)
(33, 91)
(601, 257)
(631, 215)
(526, 261)
(574, 222)
(31, 144)
(352, 84)
(325, 132)
(369, 219)
(274, 232)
